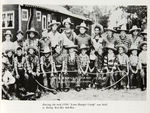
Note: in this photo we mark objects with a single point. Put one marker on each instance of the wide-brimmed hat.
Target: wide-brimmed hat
(134, 28)
(110, 29)
(99, 26)
(32, 29)
(133, 47)
(83, 46)
(8, 32)
(67, 20)
(54, 22)
(123, 46)
(32, 47)
(47, 50)
(9, 50)
(110, 46)
(20, 32)
(71, 46)
(142, 43)
(144, 32)
(122, 28)
(83, 25)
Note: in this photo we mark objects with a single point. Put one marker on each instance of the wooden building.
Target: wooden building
(23, 16)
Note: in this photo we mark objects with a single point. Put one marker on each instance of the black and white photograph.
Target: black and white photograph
(74, 52)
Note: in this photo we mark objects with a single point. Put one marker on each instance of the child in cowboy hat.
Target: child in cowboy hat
(83, 37)
(143, 59)
(47, 67)
(21, 73)
(123, 64)
(109, 37)
(7, 44)
(68, 33)
(72, 67)
(92, 66)
(8, 79)
(136, 38)
(60, 62)
(83, 65)
(54, 35)
(33, 69)
(134, 66)
(110, 64)
(123, 37)
(97, 39)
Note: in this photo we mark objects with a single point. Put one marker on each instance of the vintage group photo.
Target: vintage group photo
(71, 52)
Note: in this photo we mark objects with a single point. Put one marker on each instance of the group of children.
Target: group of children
(66, 61)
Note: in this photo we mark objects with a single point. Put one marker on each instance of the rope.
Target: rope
(52, 90)
(114, 83)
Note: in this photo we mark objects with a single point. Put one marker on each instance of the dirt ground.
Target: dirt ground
(93, 94)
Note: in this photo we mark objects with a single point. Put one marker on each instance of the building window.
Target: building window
(24, 14)
(44, 22)
(38, 15)
(8, 20)
(49, 19)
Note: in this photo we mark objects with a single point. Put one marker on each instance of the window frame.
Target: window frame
(38, 19)
(13, 19)
(44, 16)
(24, 19)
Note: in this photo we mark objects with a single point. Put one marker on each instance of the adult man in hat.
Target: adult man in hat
(136, 38)
(123, 38)
(20, 41)
(68, 33)
(123, 64)
(32, 39)
(7, 44)
(97, 39)
(54, 35)
(109, 37)
(83, 37)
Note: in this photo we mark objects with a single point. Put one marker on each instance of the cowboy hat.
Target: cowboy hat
(110, 29)
(71, 46)
(83, 46)
(46, 50)
(123, 46)
(9, 50)
(8, 32)
(19, 31)
(142, 43)
(31, 47)
(83, 25)
(32, 29)
(54, 22)
(122, 28)
(67, 20)
(99, 26)
(133, 47)
(110, 46)
(134, 28)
